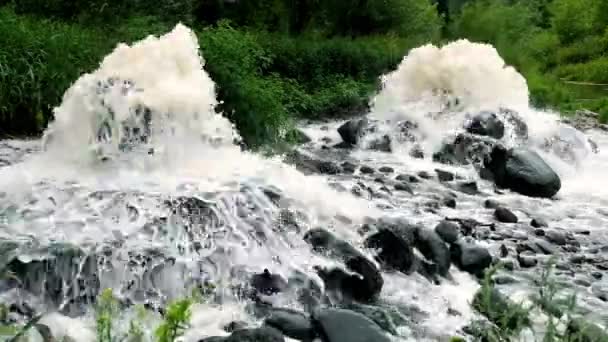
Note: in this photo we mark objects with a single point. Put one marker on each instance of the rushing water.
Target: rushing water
(108, 190)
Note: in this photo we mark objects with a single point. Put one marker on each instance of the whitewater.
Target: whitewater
(141, 186)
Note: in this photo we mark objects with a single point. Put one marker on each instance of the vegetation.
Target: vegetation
(275, 61)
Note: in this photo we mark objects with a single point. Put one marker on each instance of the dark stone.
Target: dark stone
(267, 283)
(544, 247)
(404, 187)
(291, 323)
(416, 152)
(309, 165)
(444, 176)
(527, 261)
(424, 175)
(448, 231)
(407, 178)
(235, 325)
(467, 187)
(377, 314)
(556, 237)
(523, 171)
(386, 169)
(263, 334)
(470, 258)
(323, 241)
(434, 249)
(491, 204)
(539, 232)
(465, 149)
(349, 167)
(449, 202)
(504, 251)
(394, 251)
(351, 131)
(363, 287)
(382, 144)
(487, 124)
(366, 169)
(505, 215)
(339, 325)
(504, 279)
(538, 223)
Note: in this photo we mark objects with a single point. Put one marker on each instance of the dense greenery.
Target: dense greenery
(278, 60)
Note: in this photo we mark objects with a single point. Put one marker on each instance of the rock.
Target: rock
(235, 325)
(444, 176)
(527, 261)
(291, 323)
(467, 187)
(523, 171)
(339, 325)
(308, 164)
(505, 215)
(470, 258)
(386, 169)
(407, 178)
(449, 202)
(538, 223)
(366, 170)
(263, 334)
(517, 123)
(394, 251)
(301, 137)
(416, 152)
(267, 283)
(465, 149)
(377, 314)
(323, 241)
(404, 187)
(434, 249)
(487, 124)
(349, 167)
(556, 237)
(504, 279)
(448, 231)
(491, 204)
(382, 144)
(363, 287)
(352, 131)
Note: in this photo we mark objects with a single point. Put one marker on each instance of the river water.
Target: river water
(69, 192)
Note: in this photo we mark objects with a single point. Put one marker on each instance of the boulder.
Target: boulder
(291, 323)
(266, 283)
(464, 149)
(263, 334)
(339, 325)
(448, 231)
(487, 124)
(352, 131)
(434, 249)
(470, 258)
(523, 171)
(394, 252)
(505, 215)
(363, 286)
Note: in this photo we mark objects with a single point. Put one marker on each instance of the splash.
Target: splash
(154, 91)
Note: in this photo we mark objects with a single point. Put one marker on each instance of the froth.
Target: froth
(162, 74)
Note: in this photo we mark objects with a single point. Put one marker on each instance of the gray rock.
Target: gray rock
(263, 334)
(505, 215)
(470, 258)
(352, 131)
(538, 222)
(386, 169)
(339, 325)
(527, 261)
(448, 231)
(556, 237)
(366, 170)
(487, 124)
(291, 323)
(444, 176)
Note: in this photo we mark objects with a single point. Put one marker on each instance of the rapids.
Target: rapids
(138, 140)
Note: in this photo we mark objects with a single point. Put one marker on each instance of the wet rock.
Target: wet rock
(291, 323)
(520, 128)
(365, 286)
(597, 275)
(449, 202)
(416, 152)
(544, 247)
(322, 241)
(377, 314)
(504, 251)
(308, 164)
(381, 144)
(470, 258)
(263, 334)
(523, 171)
(386, 169)
(538, 223)
(527, 261)
(348, 167)
(539, 232)
(407, 178)
(424, 175)
(267, 283)
(467, 187)
(491, 204)
(556, 237)
(444, 176)
(504, 279)
(393, 251)
(339, 325)
(301, 137)
(434, 249)
(235, 325)
(448, 231)
(352, 131)
(487, 124)
(505, 215)
(404, 187)
(465, 149)
(366, 170)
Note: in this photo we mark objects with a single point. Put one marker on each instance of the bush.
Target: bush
(39, 60)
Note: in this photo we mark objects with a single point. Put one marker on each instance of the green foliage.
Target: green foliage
(176, 320)
(105, 311)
